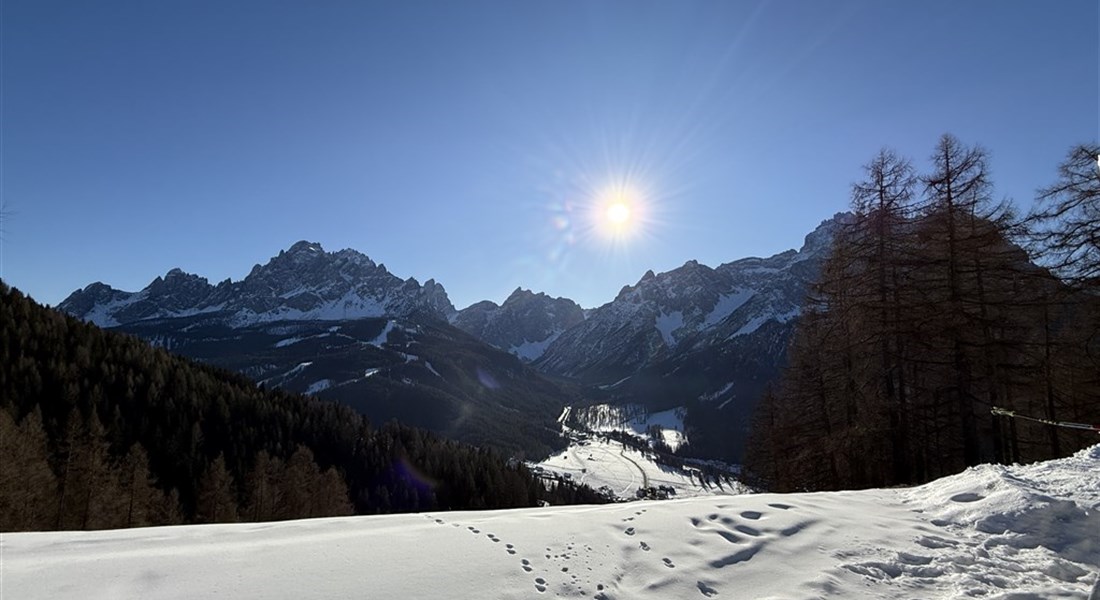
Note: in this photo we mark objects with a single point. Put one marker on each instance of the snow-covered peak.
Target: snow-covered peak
(525, 324)
(689, 307)
(302, 282)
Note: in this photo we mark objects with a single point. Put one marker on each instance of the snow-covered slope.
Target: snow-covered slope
(620, 471)
(634, 419)
(1025, 533)
(525, 324)
(613, 449)
(302, 283)
(422, 372)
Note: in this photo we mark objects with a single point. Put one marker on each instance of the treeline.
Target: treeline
(927, 315)
(101, 430)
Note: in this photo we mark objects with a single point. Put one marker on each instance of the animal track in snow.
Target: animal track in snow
(629, 531)
(644, 546)
(729, 537)
(781, 506)
(745, 529)
(705, 589)
(736, 557)
(793, 529)
(668, 562)
(751, 515)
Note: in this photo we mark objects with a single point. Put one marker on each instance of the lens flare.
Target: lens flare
(607, 204)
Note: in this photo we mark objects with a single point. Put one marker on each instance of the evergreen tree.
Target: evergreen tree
(298, 486)
(89, 495)
(138, 491)
(217, 501)
(264, 494)
(79, 471)
(27, 484)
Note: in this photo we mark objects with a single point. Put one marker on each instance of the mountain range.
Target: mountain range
(301, 283)
(341, 326)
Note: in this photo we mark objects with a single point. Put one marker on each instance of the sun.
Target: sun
(618, 212)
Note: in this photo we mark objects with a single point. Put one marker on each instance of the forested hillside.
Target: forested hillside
(928, 315)
(99, 429)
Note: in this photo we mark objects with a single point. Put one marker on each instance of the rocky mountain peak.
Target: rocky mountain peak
(688, 308)
(304, 247)
(301, 256)
(821, 238)
(181, 287)
(301, 282)
(525, 324)
(521, 295)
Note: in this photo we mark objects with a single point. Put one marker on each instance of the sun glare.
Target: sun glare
(618, 213)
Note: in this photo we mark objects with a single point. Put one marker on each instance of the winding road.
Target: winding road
(645, 478)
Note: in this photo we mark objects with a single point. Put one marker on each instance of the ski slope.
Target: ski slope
(631, 418)
(598, 462)
(1021, 533)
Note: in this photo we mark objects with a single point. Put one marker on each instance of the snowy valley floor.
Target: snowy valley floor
(622, 470)
(1021, 532)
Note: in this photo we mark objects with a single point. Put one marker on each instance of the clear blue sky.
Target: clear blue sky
(463, 141)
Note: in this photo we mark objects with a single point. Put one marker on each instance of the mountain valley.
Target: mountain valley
(340, 326)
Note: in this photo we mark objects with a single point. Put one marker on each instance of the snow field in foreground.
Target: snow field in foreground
(1025, 533)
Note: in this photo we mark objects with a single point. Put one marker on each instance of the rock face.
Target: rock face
(301, 283)
(525, 325)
